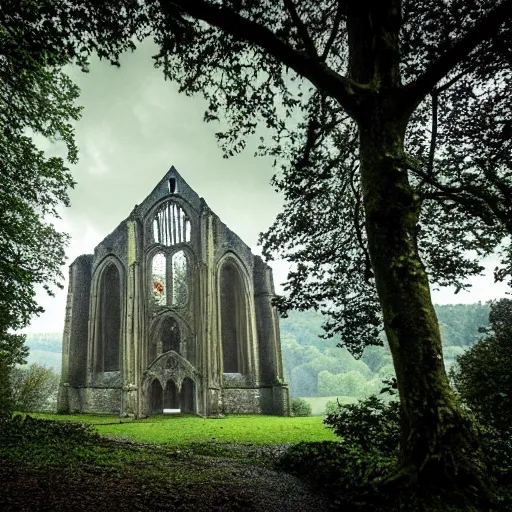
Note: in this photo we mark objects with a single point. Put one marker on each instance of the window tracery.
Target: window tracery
(171, 225)
(170, 278)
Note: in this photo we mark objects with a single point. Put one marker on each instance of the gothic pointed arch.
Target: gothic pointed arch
(169, 331)
(156, 397)
(182, 384)
(233, 318)
(108, 317)
(170, 276)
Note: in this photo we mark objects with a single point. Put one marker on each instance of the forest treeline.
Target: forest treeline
(315, 367)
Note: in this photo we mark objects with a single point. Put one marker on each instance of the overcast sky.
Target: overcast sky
(134, 126)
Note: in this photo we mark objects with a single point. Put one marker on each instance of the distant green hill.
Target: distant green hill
(314, 367)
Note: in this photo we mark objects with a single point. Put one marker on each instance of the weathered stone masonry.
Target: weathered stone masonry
(172, 311)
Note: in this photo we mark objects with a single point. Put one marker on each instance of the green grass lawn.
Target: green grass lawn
(182, 430)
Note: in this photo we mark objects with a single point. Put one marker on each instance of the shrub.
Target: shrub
(299, 407)
(331, 406)
(34, 388)
(344, 470)
(371, 424)
(482, 374)
(25, 429)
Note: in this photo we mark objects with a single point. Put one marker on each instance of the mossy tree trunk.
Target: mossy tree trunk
(439, 444)
(438, 441)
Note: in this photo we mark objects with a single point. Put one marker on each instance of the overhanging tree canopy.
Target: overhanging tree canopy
(390, 118)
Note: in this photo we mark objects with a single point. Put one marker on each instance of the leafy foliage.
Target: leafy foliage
(345, 469)
(482, 375)
(34, 388)
(461, 324)
(300, 407)
(46, 443)
(12, 352)
(307, 354)
(37, 99)
(370, 424)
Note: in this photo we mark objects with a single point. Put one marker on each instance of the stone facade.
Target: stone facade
(172, 311)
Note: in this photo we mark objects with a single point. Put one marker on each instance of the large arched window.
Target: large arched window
(233, 320)
(175, 290)
(109, 321)
(171, 225)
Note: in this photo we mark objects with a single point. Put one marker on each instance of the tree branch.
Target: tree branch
(483, 29)
(474, 199)
(455, 79)
(309, 45)
(333, 84)
(433, 136)
(335, 28)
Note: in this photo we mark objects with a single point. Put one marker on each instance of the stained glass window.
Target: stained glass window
(179, 278)
(159, 290)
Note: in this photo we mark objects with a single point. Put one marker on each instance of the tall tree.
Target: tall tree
(35, 98)
(368, 75)
(405, 103)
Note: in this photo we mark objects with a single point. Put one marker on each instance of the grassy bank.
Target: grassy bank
(192, 429)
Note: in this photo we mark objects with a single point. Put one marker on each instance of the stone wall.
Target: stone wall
(103, 400)
(94, 400)
(241, 401)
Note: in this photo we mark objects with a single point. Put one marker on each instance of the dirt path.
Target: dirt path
(215, 483)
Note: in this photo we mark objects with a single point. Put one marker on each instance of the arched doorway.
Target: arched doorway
(187, 396)
(156, 397)
(171, 399)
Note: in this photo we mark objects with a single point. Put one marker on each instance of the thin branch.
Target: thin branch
(473, 198)
(455, 79)
(339, 87)
(334, 31)
(309, 45)
(482, 30)
(433, 137)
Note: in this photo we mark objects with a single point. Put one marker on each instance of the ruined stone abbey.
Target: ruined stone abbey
(172, 311)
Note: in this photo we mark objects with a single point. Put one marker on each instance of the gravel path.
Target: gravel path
(245, 486)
